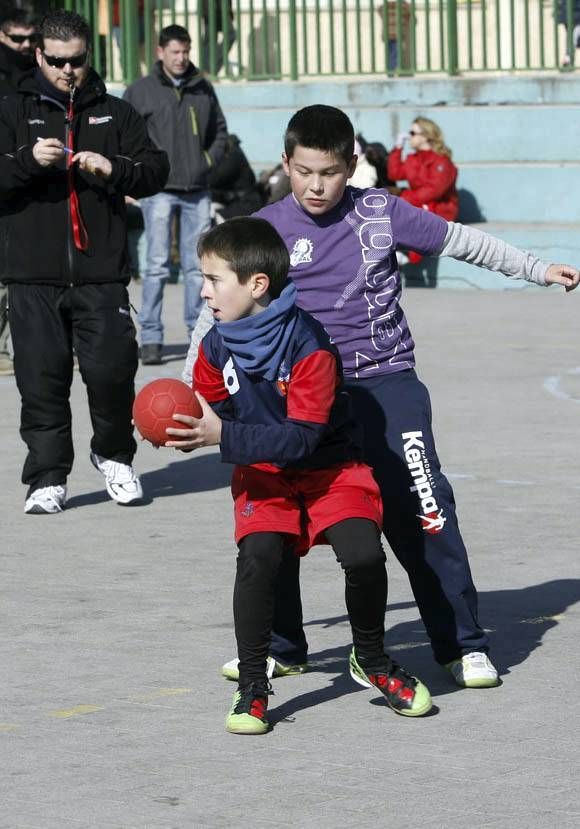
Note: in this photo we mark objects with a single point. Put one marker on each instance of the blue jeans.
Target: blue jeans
(194, 219)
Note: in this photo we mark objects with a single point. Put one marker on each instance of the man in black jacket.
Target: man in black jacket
(17, 38)
(69, 153)
(183, 118)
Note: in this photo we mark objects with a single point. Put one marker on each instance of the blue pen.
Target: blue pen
(64, 149)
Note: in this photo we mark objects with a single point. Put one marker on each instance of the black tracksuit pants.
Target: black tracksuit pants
(420, 522)
(357, 546)
(47, 323)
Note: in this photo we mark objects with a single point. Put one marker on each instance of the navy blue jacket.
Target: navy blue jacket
(301, 420)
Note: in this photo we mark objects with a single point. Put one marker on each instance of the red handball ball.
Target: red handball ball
(157, 402)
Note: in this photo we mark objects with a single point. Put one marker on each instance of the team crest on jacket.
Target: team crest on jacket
(283, 380)
(301, 252)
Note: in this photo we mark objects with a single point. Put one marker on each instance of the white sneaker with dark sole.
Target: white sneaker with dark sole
(123, 485)
(46, 500)
(474, 670)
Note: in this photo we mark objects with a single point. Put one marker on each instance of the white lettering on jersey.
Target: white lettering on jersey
(382, 288)
(231, 381)
(364, 361)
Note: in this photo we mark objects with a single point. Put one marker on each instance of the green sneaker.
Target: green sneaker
(404, 693)
(248, 712)
(474, 670)
(274, 669)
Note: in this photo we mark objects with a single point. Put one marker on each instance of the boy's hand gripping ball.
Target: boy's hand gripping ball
(157, 402)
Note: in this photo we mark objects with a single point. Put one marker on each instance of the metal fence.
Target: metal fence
(271, 39)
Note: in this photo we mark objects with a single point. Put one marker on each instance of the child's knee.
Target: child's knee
(357, 545)
(259, 553)
(367, 562)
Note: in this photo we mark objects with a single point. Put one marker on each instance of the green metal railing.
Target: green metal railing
(294, 39)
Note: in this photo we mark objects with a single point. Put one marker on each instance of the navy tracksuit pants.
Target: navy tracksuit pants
(420, 522)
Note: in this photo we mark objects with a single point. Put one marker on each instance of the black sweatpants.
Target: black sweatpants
(357, 546)
(47, 322)
(419, 520)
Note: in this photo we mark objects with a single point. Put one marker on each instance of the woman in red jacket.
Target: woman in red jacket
(429, 170)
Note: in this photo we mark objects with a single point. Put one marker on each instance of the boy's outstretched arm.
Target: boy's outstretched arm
(565, 275)
(478, 248)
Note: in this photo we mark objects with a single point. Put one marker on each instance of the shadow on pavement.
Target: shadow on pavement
(338, 686)
(199, 473)
(334, 660)
(517, 620)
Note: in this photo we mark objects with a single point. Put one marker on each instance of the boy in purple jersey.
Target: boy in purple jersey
(342, 243)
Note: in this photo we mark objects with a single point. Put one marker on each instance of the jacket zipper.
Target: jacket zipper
(69, 242)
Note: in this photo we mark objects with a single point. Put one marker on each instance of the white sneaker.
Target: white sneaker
(474, 670)
(46, 499)
(273, 669)
(123, 485)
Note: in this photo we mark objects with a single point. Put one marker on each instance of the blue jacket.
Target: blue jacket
(300, 420)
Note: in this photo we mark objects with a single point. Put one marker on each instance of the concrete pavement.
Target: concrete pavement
(115, 621)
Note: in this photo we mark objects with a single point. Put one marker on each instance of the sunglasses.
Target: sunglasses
(59, 63)
(415, 132)
(22, 38)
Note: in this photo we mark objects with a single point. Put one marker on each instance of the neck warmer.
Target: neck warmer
(258, 343)
(48, 90)
(11, 60)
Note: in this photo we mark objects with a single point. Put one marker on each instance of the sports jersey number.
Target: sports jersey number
(231, 381)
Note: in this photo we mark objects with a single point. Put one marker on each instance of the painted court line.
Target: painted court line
(76, 711)
(460, 476)
(162, 692)
(552, 386)
(85, 709)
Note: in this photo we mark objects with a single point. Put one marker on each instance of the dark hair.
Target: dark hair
(15, 17)
(320, 127)
(173, 32)
(64, 25)
(249, 245)
(377, 156)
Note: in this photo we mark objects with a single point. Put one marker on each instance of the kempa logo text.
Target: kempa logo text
(432, 519)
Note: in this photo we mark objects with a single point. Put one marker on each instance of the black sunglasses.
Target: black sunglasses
(60, 63)
(21, 38)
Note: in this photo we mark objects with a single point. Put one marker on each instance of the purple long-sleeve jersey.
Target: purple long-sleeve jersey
(344, 266)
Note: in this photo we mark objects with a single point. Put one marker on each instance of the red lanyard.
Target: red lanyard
(80, 235)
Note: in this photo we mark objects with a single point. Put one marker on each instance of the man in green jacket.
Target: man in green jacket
(183, 118)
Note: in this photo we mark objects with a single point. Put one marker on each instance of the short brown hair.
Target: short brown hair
(249, 245)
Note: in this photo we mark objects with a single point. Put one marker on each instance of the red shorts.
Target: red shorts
(303, 503)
